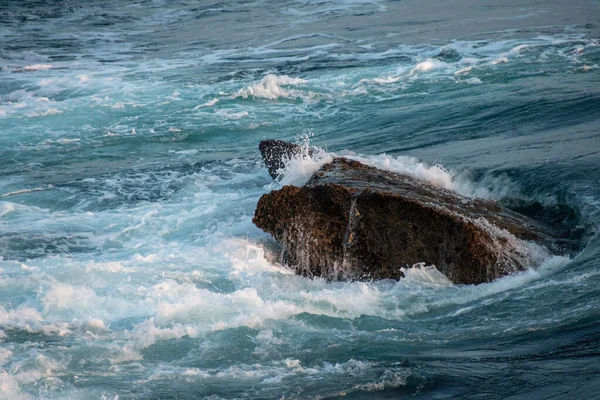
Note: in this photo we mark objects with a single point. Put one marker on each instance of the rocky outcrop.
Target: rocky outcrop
(275, 153)
(353, 221)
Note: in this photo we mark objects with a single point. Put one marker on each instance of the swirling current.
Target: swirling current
(129, 174)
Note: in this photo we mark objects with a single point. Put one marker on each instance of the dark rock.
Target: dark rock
(275, 153)
(353, 221)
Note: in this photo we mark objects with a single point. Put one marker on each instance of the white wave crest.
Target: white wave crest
(209, 103)
(37, 67)
(271, 87)
(426, 65)
(300, 168)
(22, 191)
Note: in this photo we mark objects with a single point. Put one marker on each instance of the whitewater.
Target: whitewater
(130, 172)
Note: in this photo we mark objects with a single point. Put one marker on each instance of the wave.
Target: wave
(22, 191)
(209, 103)
(37, 67)
(272, 87)
(301, 167)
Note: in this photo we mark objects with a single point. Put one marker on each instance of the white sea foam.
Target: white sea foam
(45, 113)
(300, 168)
(474, 81)
(406, 165)
(113, 267)
(20, 317)
(5, 355)
(37, 67)
(10, 389)
(231, 114)
(500, 60)
(65, 301)
(96, 324)
(67, 141)
(464, 71)
(425, 275)
(31, 320)
(207, 104)
(381, 80)
(390, 379)
(7, 207)
(518, 49)
(22, 191)
(252, 261)
(586, 68)
(425, 66)
(271, 87)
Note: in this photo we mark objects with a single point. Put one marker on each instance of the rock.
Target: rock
(352, 221)
(276, 152)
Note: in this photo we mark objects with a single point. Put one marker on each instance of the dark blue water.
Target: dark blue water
(129, 174)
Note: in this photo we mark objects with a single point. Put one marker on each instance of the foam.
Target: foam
(96, 324)
(45, 113)
(518, 49)
(113, 267)
(464, 71)
(232, 115)
(37, 67)
(389, 380)
(17, 192)
(20, 317)
(301, 167)
(80, 303)
(352, 302)
(5, 355)
(425, 275)
(425, 66)
(207, 104)
(252, 261)
(586, 68)
(150, 258)
(456, 295)
(31, 320)
(9, 388)
(271, 87)
(500, 60)
(385, 80)
(406, 165)
(474, 81)
(68, 141)
(267, 372)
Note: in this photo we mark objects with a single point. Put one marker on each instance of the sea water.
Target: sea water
(129, 175)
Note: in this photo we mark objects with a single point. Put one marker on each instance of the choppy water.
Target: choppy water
(129, 173)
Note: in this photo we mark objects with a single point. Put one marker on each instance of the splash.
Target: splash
(300, 168)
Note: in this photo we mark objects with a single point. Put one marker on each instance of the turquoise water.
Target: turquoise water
(129, 174)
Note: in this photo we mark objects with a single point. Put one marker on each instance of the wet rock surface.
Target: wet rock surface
(353, 221)
(276, 152)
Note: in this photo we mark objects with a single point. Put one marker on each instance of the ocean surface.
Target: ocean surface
(129, 175)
